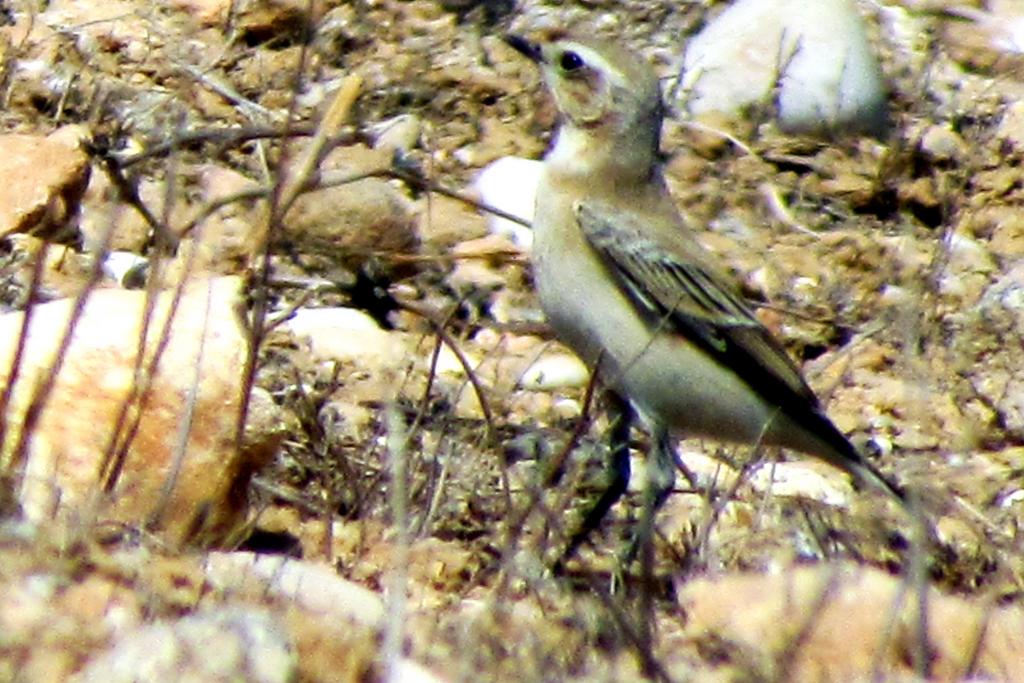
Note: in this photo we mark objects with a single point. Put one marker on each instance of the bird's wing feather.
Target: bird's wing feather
(691, 299)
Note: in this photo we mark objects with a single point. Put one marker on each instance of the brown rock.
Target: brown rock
(356, 219)
(853, 187)
(262, 20)
(181, 468)
(41, 180)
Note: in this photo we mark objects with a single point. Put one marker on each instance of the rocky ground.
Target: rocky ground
(285, 183)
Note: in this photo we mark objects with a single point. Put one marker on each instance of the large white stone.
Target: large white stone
(510, 184)
(348, 334)
(557, 371)
(812, 57)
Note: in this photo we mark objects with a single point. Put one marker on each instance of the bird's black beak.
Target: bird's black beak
(524, 46)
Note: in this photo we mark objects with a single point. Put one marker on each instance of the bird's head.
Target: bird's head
(605, 94)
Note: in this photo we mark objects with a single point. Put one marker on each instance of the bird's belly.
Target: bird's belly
(674, 383)
(669, 380)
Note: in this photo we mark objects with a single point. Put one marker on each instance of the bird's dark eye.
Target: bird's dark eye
(570, 61)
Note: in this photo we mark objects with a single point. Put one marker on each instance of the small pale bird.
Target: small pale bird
(624, 283)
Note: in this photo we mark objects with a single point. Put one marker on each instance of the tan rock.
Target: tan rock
(206, 12)
(371, 360)
(802, 479)
(105, 27)
(399, 134)
(1008, 236)
(41, 180)
(443, 222)
(181, 468)
(229, 238)
(555, 371)
(107, 220)
(1011, 127)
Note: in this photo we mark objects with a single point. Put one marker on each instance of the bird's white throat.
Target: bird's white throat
(580, 153)
(573, 152)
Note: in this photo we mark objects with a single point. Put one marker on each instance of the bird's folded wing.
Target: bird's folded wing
(688, 298)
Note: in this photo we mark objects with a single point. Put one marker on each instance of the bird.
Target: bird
(625, 284)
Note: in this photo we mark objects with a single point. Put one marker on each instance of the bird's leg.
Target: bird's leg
(622, 422)
(661, 469)
(660, 478)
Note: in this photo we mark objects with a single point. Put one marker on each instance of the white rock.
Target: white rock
(347, 334)
(559, 371)
(1003, 25)
(706, 470)
(1012, 498)
(812, 55)
(1005, 297)
(408, 671)
(120, 264)
(968, 255)
(449, 364)
(510, 184)
(796, 479)
(400, 133)
(566, 408)
(783, 478)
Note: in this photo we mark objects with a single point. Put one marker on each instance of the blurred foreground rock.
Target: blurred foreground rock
(846, 623)
(234, 644)
(173, 424)
(312, 586)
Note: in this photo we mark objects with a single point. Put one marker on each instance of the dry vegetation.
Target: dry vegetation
(263, 142)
